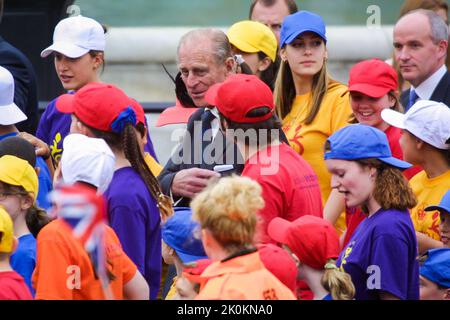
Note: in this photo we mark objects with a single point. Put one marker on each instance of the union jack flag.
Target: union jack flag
(85, 212)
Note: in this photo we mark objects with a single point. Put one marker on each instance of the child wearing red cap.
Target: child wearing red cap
(314, 244)
(373, 87)
(135, 201)
(78, 48)
(290, 186)
(381, 256)
(310, 104)
(226, 212)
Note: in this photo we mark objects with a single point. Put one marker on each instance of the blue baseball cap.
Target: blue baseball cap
(437, 267)
(358, 141)
(443, 205)
(178, 233)
(300, 22)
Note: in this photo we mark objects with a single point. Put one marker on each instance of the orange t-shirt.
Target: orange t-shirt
(64, 271)
(241, 278)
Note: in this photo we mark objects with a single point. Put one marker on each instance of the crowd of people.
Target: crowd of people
(287, 185)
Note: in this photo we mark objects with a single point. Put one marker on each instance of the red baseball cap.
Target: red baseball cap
(374, 78)
(312, 239)
(280, 263)
(96, 104)
(139, 110)
(177, 114)
(239, 94)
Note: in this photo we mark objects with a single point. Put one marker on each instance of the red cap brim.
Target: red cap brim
(278, 230)
(65, 103)
(175, 115)
(369, 90)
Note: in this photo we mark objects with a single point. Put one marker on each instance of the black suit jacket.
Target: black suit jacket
(25, 84)
(440, 94)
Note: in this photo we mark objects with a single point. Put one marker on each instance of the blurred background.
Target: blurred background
(143, 35)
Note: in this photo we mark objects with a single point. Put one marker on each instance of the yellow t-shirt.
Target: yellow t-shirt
(154, 166)
(429, 192)
(309, 140)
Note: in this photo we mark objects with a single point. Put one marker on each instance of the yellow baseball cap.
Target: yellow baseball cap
(18, 172)
(6, 232)
(252, 36)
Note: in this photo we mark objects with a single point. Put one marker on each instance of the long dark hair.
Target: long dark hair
(128, 143)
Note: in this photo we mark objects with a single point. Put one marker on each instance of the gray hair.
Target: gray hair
(221, 48)
(439, 29)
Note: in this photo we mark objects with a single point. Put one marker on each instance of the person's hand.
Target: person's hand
(189, 182)
(185, 289)
(42, 149)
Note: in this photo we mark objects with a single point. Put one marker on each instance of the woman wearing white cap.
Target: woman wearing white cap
(311, 105)
(426, 142)
(78, 47)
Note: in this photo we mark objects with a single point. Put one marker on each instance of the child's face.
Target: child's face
(444, 228)
(430, 290)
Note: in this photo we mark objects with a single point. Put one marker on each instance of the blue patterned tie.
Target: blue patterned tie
(412, 99)
(207, 118)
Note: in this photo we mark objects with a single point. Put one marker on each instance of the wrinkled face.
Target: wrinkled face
(200, 69)
(430, 290)
(271, 16)
(408, 143)
(444, 228)
(367, 110)
(74, 73)
(416, 54)
(305, 55)
(355, 182)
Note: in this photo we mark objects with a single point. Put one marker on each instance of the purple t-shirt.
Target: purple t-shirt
(133, 215)
(54, 126)
(382, 256)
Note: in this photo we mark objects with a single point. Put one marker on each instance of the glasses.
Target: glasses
(4, 194)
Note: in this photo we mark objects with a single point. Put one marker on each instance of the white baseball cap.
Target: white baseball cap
(76, 36)
(9, 111)
(88, 160)
(427, 120)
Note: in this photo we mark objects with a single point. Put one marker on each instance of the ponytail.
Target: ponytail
(36, 218)
(338, 283)
(132, 151)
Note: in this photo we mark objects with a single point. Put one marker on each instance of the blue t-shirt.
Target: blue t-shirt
(45, 180)
(23, 260)
(382, 256)
(54, 126)
(134, 216)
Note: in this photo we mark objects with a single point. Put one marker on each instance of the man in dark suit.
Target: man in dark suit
(420, 42)
(204, 58)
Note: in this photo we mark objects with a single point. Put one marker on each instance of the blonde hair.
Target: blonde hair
(337, 282)
(228, 210)
(284, 92)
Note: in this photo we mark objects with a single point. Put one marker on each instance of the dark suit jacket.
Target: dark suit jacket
(25, 84)
(189, 153)
(440, 94)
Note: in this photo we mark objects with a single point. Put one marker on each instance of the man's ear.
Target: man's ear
(230, 66)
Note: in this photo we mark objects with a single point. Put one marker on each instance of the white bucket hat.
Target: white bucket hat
(9, 111)
(88, 160)
(76, 36)
(427, 120)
